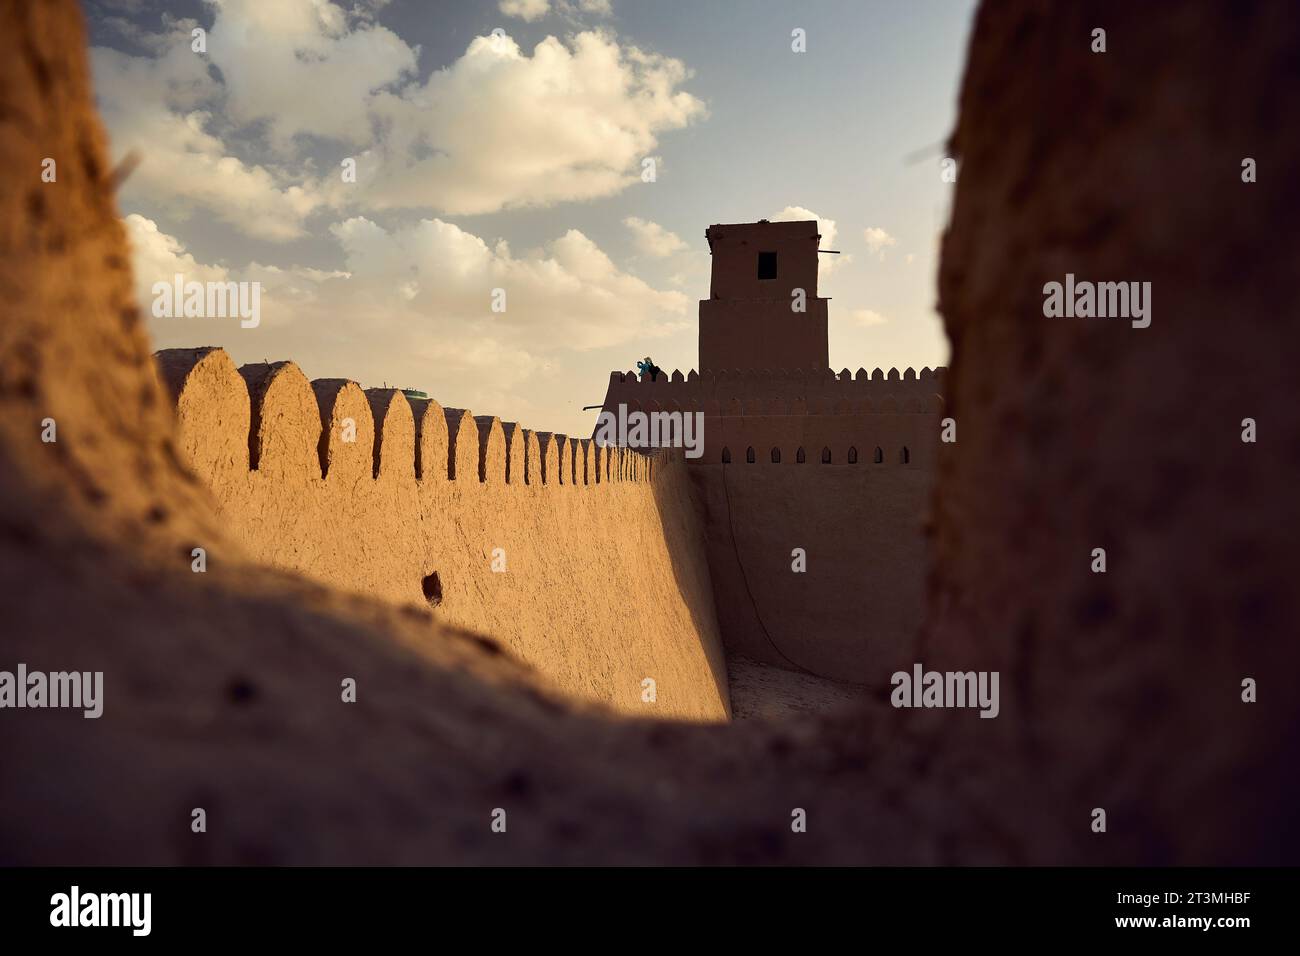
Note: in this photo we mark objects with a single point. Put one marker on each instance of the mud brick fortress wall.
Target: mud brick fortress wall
(620, 563)
(839, 465)
(605, 581)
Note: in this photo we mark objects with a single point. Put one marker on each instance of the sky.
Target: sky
(503, 144)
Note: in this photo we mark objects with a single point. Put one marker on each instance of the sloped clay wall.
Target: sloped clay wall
(604, 583)
(857, 606)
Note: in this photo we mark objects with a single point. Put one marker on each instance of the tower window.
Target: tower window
(767, 265)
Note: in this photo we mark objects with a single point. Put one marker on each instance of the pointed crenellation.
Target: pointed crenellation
(394, 451)
(462, 444)
(546, 450)
(347, 430)
(213, 415)
(284, 421)
(515, 467)
(532, 458)
(562, 465)
(491, 450)
(266, 418)
(332, 429)
(431, 442)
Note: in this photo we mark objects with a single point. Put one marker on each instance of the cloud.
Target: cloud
(568, 294)
(529, 10)
(653, 239)
(157, 257)
(867, 318)
(304, 68)
(826, 265)
(152, 106)
(878, 240)
(500, 128)
(416, 301)
(226, 138)
(241, 134)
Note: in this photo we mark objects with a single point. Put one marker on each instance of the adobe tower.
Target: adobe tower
(798, 458)
(751, 319)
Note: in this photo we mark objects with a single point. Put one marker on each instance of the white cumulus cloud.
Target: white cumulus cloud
(287, 294)
(153, 108)
(501, 128)
(158, 257)
(878, 240)
(413, 307)
(252, 132)
(867, 318)
(826, 264)
(653, 239)
(568, 293)
(303, 68)
(529, 10)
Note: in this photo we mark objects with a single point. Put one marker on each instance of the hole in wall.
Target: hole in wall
(432, 587)
(241, 690)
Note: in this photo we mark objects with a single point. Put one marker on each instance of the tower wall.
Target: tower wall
(749, 320)
(759, 333)
(860, 521)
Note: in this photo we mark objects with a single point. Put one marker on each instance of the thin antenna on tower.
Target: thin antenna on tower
(925, 152)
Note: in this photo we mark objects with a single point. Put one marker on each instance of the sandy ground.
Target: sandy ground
(763, 691)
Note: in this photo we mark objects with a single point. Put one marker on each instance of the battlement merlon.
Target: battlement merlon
(703, 391)
(267, 418)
